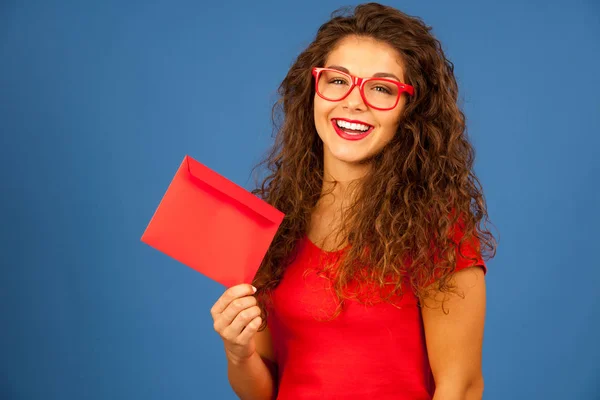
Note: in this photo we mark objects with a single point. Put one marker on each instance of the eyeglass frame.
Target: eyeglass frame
(360, 82)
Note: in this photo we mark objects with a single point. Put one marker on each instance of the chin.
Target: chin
(350, 158)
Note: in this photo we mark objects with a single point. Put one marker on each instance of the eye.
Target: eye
(382, 89)
(338, 81)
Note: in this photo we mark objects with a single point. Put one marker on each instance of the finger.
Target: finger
(238, 305)
(249, 331)
(241, 320)
(229, 295)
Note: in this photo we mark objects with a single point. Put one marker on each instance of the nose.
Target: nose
(354, 100)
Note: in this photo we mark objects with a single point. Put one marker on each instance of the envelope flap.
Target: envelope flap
(232, 190)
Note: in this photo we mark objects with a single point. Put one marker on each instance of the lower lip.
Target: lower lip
(348, 136)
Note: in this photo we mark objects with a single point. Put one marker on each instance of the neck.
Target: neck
(341, 182)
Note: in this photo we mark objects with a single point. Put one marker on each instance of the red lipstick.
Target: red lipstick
(351, 136)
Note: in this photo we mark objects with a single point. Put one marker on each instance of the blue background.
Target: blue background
(99, 102)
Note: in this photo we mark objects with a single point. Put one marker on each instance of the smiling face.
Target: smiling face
(344, 146)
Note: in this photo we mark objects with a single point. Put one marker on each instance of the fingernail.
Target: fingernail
(254, 289)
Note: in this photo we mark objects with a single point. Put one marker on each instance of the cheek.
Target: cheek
(320, 107)
(322, 112)
(389, 124)
(393, 118)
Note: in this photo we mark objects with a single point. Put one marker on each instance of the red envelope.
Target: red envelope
(213, 225)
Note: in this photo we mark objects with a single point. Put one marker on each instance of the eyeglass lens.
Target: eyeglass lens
(379, 93)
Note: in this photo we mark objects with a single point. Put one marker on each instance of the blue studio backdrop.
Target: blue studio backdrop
(100, 101)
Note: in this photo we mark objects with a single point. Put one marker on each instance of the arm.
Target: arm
(454, 338)
(255, 377)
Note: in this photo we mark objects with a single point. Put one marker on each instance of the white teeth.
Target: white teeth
(356, 127)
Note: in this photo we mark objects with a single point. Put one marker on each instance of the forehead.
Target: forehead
(366, 56)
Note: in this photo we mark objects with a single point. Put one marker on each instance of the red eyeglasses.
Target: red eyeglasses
(378, 93)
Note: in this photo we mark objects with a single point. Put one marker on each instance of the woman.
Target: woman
(373, 287)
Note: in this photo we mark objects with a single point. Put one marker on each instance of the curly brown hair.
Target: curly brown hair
(421, 185)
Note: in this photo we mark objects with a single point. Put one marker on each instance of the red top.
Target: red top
(367, 352)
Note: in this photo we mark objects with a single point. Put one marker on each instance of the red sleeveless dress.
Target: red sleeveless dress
(368, 352)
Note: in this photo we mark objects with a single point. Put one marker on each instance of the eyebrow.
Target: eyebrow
(377, 75)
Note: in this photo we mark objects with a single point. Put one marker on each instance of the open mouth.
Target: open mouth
(351, 130)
